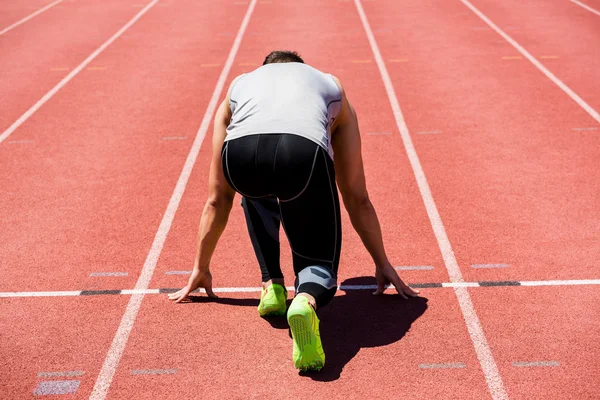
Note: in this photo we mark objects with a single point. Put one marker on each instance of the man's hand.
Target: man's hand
(199, 279)
(386, 275)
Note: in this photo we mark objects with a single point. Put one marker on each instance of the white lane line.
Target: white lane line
(489, 265)
(586, 7)
(593, 113)
(41, 294)
(109, 274)
(27, 18)
(59, 373)
(573, 282)
(445, 365)
(126, 325)
(379, 133)
(178, 273)
(460, 284)
(536, 364)
(72, 74)
(482, 349)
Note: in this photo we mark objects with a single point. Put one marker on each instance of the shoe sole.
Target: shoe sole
(308, 358)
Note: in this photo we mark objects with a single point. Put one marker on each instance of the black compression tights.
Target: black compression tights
(288, 179)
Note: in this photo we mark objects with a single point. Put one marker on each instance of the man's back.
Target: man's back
(285, 98)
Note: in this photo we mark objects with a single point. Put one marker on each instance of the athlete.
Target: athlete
(277, 137)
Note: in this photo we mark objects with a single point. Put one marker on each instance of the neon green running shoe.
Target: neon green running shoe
(272, 301)
(308, 351)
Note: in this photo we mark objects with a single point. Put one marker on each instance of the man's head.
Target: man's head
(282, 56)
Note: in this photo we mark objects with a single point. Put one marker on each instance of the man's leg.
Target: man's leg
(263, 221)
(313, 226)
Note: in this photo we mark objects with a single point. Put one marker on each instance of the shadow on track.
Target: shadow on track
(350, 322)
(359, 320)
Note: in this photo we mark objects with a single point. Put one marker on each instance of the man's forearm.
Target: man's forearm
(212, 224)
(365, 222)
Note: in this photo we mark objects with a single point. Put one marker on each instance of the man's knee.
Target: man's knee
(318, 281)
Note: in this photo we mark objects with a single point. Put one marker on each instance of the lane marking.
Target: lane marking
(593, 128)
(209, 65)
(548, 57)
(429, 132)
(59, 69)
(119, 342)
(379, 133)
(398, 60)
(174, 137)
(590, 9)
(414, 268)
(593, 113)
(482, 349)
(72, 74)
(446, 365)
(27, 18)
(100, 292)
(248, 64)
(46, 388)
(512, 57)
(59, 373)
(96, 68)
(489, 265)
(481, 284)
(41, 294)
(178, 273)
(361, 61)
(153, 371)
(23, 141)
(109, 274)
(536, 364)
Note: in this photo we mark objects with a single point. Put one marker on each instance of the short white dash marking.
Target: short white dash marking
(153, 371)
(593, 128)
(109, 274)
(414, 268)
(178, 273)
(59, 373)
(489, 265)
(379, 133)
(429, 132)
(174, 137)
(536, 364)
(24, 141)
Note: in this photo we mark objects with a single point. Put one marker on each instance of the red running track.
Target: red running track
(88, 183)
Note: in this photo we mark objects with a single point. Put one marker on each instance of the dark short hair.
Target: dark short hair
(282, 56)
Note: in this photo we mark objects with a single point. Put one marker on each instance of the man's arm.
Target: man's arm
(216, 211)
(350, 178)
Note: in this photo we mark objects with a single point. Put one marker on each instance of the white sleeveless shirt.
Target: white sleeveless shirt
(285, 98)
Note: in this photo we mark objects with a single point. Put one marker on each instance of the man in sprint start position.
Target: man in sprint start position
(277, 137)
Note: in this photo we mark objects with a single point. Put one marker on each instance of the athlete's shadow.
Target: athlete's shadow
(359, 320)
